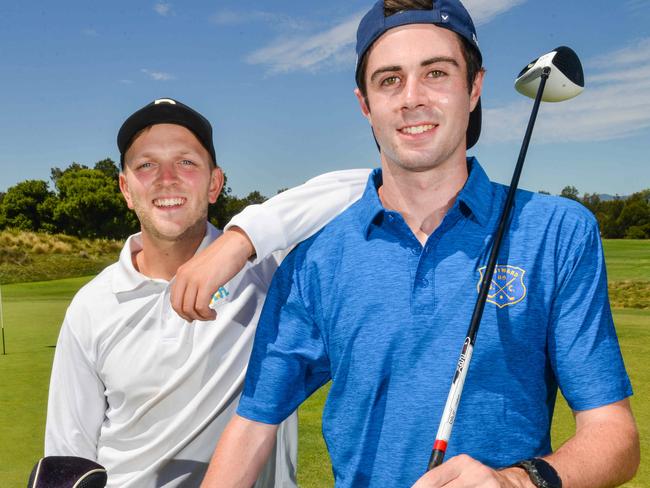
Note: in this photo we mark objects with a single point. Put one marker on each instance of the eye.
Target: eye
(389, 80)
(143, 165)
(436, 73)
(187, 162)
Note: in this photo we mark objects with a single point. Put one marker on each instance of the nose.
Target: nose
(167, 174)
(414, 93)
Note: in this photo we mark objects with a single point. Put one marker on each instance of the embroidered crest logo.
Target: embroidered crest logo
(220, 295)
(507, 287)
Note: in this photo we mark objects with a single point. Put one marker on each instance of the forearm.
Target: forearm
(603, 452)
(240, 454)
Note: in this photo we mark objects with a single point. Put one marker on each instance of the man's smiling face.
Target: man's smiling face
(169, 180)
(417, 99)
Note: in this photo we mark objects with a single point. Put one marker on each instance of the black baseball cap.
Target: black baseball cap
(165, 111)
(449, 14)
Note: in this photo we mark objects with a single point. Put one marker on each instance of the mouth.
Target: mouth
(169, 202)
(413, 130)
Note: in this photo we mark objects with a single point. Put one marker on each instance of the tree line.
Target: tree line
(86, 202)
(618, 218)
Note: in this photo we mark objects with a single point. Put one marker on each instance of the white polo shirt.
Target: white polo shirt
(147, 395)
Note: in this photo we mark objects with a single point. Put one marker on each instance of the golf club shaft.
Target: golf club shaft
(456, 390)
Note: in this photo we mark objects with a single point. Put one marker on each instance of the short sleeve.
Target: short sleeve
(289, 359)
(583, 346)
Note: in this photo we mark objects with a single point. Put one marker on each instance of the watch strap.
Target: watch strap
(541, 473)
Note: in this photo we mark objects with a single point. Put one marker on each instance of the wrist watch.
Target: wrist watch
(542, 474)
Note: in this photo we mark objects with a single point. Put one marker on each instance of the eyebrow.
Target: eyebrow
(426, 62)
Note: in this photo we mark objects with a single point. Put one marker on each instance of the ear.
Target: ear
(363, 104)
(477, 89)
(124, 188)
(216, 183)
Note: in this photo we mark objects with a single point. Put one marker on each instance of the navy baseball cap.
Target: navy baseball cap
(449, 14)
(165, 111)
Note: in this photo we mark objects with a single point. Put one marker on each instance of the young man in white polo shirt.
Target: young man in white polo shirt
(134, 386)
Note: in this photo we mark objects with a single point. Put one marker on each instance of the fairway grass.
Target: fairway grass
(627, 259)
(33, 313)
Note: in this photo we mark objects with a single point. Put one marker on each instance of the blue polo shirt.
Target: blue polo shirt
(364, 304)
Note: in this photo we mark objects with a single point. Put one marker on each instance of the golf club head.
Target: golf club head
(565, 81)
(67, 472)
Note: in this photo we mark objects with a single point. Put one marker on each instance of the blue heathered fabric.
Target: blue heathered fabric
(364, 304)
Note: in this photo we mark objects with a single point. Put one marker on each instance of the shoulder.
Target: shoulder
(346, 228)
(547, 213)
(93, 301)
(324, 249)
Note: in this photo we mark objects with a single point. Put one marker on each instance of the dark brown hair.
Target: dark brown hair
(470, 54)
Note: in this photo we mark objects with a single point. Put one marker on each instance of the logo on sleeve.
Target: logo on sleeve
(507, 286)
(218, 297)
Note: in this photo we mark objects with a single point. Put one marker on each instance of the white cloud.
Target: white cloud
(162, 8)
(157, 75)
(638, 52)
(334, 47)
(483, 11)
(331, 47)
(637, 5)
(615, 104)
(277, 21)
(126, 82)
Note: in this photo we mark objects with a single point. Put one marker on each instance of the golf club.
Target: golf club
(561, 72)
(67, 472)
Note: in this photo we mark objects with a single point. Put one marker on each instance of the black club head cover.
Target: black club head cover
(67, 472)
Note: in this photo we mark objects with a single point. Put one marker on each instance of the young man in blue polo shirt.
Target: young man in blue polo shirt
(379, 300)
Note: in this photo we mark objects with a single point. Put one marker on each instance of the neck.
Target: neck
(422, 198)
(161, 258)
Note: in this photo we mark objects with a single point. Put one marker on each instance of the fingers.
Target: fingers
(202, 301)
(462, 472)
(439, 476)
(200, 277)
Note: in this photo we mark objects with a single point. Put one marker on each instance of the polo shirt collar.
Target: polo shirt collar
(477, 195)
(127, 278)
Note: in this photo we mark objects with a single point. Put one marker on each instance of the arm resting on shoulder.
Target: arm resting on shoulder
(240, 455)
(259, 230)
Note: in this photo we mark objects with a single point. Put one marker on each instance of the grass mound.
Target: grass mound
(630, 294)
(36, 256)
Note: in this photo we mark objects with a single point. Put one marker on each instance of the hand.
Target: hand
(465, 472)
(200, 277)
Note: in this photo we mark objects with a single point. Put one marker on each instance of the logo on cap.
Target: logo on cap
(164, 100)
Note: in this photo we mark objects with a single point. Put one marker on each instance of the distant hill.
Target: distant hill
(605, 197)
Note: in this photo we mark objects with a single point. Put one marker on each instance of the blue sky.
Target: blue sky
(276, 81)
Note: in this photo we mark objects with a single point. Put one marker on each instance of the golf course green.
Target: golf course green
(33, 313)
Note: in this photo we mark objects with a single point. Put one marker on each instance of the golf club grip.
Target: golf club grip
(456, 389)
